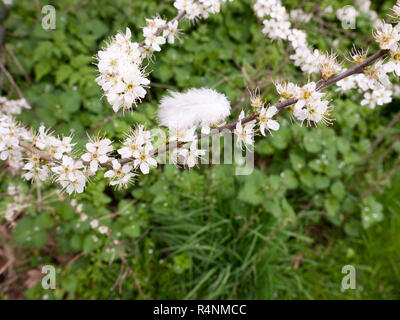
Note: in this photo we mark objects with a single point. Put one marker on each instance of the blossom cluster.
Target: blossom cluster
(60, 162)
(365, 7)
(348, 14)
(120, 64)
(374, 83)
(73, 173)
(199, 9)
(13, 106)
(310, 106)
(245, 132)
(138, 147)
(53, 157)
(300, 15)
(121, 74)
(278, 26)
(11, 132)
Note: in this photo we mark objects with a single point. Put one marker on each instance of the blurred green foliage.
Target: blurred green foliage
(319, 198)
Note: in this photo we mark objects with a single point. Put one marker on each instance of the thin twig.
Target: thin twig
(378, 140)
(18, 64)
(11, 79)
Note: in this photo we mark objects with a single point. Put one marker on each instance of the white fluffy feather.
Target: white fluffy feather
(197, 107)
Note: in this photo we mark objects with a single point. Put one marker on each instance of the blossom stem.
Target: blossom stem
(359, 68)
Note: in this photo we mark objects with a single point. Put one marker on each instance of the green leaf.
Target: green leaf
(91, 242)
(321, 182)
(338, 190)
(76, 242)
(63, 73)
(281, 138)
(39, 238)
(254, 188)
(23, 231)
(46, 115)
(64, 210)
(94, 105)
(264, 147)
(45, 221)
(317, 165)
(70, 101)
(371, 212)
(307, 178)
(274, 208)
(289, 179)
(41, 69)
(297, 162)
(28, 233)
(287, 210)
(164, 72)
(132, 230)
(352, 228)
(312, 142)
(80, 60)
(182, 262)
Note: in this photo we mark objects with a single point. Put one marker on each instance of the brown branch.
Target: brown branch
(131, 272)
(384, 133)
(11, 79)
(18, 64)
(359, 68)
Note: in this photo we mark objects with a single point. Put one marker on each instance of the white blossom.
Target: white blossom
(171, 32)
(120, 176)
(144, 159)
(347, 84)
(103, 229)
(190, 155)
(266, 121)
(97, 153)
(70, 175)
(94, 223)
(134, 141)
(244, 132)
(182, 135)
(121, 74)
(387, 36)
